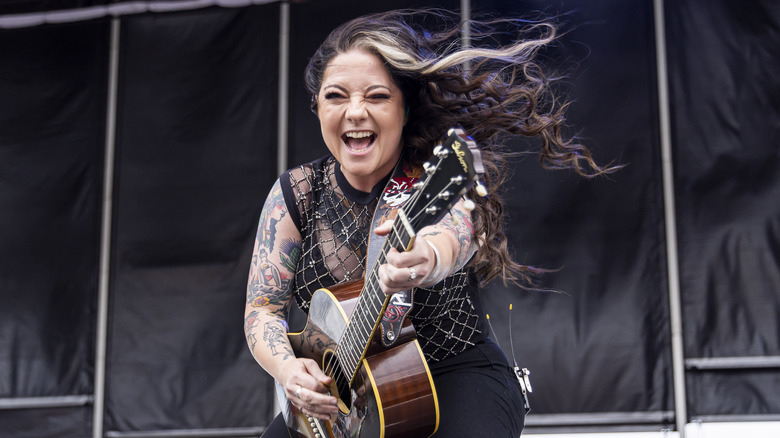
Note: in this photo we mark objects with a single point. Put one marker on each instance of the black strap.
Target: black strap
(398, 190)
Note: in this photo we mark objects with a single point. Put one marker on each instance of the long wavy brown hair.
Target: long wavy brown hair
(492, 92)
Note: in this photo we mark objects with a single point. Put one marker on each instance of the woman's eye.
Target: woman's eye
(379, 96)
(333, 95)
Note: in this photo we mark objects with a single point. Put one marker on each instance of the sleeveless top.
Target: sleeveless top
(334, 220)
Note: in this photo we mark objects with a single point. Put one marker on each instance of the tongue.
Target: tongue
(358, 143)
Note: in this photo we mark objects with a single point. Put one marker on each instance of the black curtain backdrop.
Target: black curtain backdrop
(726, 125)
(196, 156)
(603, 236)
(52, 114)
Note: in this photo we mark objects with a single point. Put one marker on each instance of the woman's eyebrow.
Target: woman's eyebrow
(336, 86)
(369, 88)
(374, 87)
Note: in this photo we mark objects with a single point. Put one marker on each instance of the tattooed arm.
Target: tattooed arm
(268, 299)
(453, 236)
(438, 251)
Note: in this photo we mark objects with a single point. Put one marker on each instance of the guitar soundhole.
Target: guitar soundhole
(339, 386)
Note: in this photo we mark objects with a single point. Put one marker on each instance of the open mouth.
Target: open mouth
(359, 141)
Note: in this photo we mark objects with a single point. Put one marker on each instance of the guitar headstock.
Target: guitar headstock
(453, 170)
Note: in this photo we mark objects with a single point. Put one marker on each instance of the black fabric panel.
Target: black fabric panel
(727, 133)
(732, 392)
(46, 423)
(601, 344)
(52, 94)
(723, 63)
(196, 158)
(310, 24)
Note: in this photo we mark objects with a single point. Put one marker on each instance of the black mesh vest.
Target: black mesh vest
(334, 220)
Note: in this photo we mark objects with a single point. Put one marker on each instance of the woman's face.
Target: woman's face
(361, 112)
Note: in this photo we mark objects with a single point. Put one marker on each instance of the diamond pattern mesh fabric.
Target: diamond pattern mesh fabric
(334, 221)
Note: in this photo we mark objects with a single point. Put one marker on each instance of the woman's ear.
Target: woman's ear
(313, 105)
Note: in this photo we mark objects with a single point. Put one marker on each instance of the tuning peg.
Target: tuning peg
(481, 190)
(445, 195)
(440, 151)
(468, 204)
(418, 185)
(458, 180)
(429, 168)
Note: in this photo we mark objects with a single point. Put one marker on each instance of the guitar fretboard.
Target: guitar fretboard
(371, 303)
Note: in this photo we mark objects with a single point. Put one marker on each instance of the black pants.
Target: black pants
(478, 394)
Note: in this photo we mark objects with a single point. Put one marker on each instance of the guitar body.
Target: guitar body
(391, 395)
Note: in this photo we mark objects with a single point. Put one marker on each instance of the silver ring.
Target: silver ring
(412, 274)
(298, 392)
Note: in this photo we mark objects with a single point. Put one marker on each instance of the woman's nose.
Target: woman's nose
(356, 109)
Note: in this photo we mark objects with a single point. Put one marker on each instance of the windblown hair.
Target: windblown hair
(491, 92)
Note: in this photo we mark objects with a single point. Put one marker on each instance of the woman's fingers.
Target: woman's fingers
(407, 269)
(315, 403)
(307, 389)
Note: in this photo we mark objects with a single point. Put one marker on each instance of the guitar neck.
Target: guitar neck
(453, 170)
(372, 302)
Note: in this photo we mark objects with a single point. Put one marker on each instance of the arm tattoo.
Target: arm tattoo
(290, 252)
(275, 209)
(276, 339)
(460, 225)
(250, 323)
(269, 290)
(263, 291)
(464, 231)
(269, 283)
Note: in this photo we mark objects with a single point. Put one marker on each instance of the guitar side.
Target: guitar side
(392, 395)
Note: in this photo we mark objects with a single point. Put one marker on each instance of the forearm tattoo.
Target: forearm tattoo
(460, 225)
(250, 324)
(464, 231)
(273, 335)
(276, 340)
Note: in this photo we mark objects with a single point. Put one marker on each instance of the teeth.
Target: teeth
(358, 134)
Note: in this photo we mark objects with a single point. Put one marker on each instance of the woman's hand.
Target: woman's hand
(307, 388)
(420, 266)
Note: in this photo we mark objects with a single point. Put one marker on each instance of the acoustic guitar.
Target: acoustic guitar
(379, 374)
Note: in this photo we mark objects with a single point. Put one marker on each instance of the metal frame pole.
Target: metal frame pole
(465, 16)
(284, 78)
(283, 106)
(675, 311)
(105, 233)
